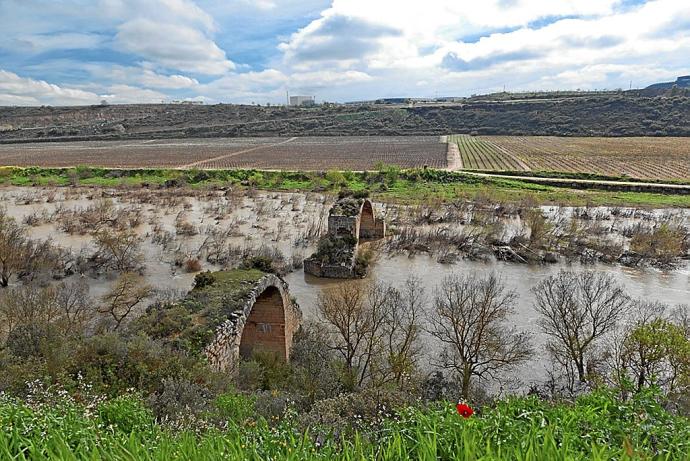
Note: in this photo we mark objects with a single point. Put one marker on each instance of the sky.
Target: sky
(74, 52)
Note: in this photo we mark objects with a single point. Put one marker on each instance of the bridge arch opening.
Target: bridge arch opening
(367, 221)
(264, 329)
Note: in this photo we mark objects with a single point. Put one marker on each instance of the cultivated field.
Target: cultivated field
(642, 158)
(300, 154)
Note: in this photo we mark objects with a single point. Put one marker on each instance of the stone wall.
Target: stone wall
(341, 225)
(318, 269)
(270, 328)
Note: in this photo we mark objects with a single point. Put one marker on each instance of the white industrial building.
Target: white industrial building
(302, 100)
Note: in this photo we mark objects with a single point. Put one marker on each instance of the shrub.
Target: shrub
(179, 401)
(192, 265)
(262, 263)
(203, 280)
(127, 414)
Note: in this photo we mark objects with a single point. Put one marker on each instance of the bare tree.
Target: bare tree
(117, 250)
(577, 310)
(374, 328)
(19, 255)
(64, 307)
(75, 306)
(129, 291)
(401, 330)
(344, 308)
(469, 318)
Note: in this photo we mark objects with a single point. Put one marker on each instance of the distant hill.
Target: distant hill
(681, 82)
(630, 113)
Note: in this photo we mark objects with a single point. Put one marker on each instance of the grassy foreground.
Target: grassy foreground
(598, 426)
(389, 184)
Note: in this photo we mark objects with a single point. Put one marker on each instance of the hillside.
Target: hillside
(605, 114)
(681, 82)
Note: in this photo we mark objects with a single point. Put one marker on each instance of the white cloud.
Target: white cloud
(173, 46)
(321, 79)
(26, 91)
(266, 85)
(261, 4)
(40, 43)
(125, 94)
(457, 46)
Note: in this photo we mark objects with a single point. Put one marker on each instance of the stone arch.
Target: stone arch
(264, 329)
(369, 226)
(267, 321)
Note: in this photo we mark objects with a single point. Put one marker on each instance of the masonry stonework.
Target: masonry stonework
(363, 225)
(266, 322)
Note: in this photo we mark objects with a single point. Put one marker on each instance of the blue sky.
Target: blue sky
(242, 51)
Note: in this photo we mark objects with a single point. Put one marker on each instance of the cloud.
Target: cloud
(261, 4)
(172, 46)
(125, 94)
(315, 80)
(246, 51)
(454, 63)
(266, 85)
(337, 37)
(26, 91)
(41, 43)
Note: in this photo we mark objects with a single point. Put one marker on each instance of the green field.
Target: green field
(386, 184)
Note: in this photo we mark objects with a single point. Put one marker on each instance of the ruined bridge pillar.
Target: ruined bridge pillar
(349, 221)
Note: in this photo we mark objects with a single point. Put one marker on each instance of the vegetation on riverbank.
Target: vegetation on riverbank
(54, 425)
(386, 184)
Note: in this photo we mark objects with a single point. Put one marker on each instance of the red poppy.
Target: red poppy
(464, 410)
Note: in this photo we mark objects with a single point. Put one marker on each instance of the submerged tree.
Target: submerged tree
(470, 318)
(20, 255)
(577, 310)
(129, 291)
(374, 329)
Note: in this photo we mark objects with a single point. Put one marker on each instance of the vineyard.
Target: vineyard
(640, 158)
(481, 154)
(308, 153)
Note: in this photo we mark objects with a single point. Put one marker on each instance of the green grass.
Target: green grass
(389, 184)
(597, 427)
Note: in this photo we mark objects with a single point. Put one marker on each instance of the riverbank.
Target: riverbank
(389, 184)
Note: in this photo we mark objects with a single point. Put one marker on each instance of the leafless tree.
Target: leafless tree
(374, 328)
(470, 319)
(577, 310)
(64, 307)
(118, 250)
(344, 308)
(19, 254)
(129, 291)
(402, 329)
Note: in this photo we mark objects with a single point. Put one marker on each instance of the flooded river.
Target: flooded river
(290, 224)
(671, 287)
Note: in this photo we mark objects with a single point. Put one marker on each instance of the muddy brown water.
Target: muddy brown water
(279, 219)
(671, 287)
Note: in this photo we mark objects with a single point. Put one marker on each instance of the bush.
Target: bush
(262, 263)
(192, 265)
(180, 401)
(127, 414)
(203, 280)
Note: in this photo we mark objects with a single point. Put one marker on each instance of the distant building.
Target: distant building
(188, 102)
(302, 100)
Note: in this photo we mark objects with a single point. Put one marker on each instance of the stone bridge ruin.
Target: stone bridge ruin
(265, 320)
(228, 316)
(350, 220)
